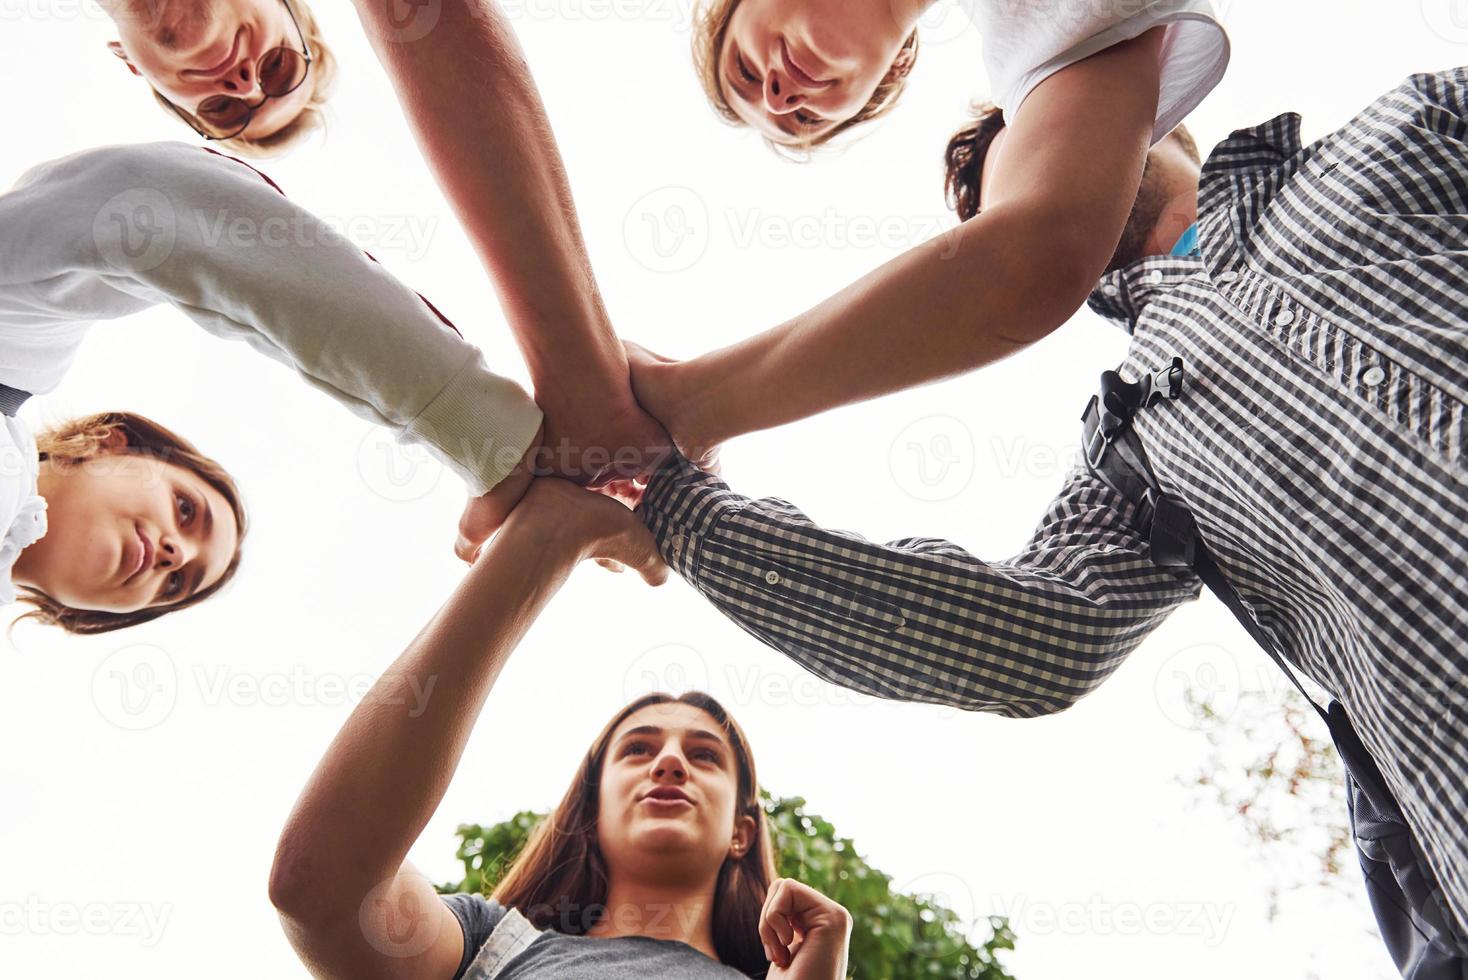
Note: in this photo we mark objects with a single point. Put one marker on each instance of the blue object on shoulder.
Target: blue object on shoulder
(1188, 244)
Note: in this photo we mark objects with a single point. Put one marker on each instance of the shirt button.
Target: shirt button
(677, 543)
(1155, 276)
(1373, 376)
(1110, 289)
(772, 577)
(1285, 318)
(1228, 277)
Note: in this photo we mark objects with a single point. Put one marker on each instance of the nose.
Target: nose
(670, 767)
(173, 553)
(782, 94)
(241, 81)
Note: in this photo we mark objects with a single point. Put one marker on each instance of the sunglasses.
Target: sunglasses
(280, 70)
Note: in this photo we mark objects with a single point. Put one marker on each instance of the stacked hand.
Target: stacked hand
(663, 389)
(805, 934)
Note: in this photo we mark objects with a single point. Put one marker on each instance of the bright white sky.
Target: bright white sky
(144, 853)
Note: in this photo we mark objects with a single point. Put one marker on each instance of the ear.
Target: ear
(115, 440)
(902, 64)
(116, 48)
(743, 838)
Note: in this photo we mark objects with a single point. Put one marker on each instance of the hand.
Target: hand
(483, 515)
(805, 934)
(599, 444)
(658, 382)
(589, 525)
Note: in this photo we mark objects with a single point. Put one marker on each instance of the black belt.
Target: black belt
(11, 399)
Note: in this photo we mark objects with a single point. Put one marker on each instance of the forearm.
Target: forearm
(386, 771)
(971, 297)
(470, 98)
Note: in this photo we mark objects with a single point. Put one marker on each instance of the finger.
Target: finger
(775, 950)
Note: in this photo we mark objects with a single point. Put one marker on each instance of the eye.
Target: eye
(186, 508)
(744, 71)
(173, 586)
(636, 748)
(806, 119)
(708, 755)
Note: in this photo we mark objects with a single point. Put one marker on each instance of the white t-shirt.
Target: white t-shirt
(22, 511)
(1027, 41)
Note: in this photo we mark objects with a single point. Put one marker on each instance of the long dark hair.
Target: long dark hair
(562, 867)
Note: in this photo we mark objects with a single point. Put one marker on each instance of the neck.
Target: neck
(680, 912)
(1178, 215)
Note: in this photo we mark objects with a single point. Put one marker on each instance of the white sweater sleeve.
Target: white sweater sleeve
(109, 231)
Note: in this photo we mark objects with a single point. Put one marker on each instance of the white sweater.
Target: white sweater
(112, 231)
(1027, 41)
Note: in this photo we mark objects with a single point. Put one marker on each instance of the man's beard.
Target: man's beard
(171, 24)
(1151, 201)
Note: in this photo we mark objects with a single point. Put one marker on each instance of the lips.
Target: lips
(224, 65)
(137, 555)
(667, 796)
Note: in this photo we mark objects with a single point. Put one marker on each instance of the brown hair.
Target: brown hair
(560, 880)
(312, 116)
(964, 157)
(74, 442)
(711, 22)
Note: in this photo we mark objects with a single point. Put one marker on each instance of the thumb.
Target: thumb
(637, 550)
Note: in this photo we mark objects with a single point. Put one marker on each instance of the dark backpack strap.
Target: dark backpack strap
(11, 399)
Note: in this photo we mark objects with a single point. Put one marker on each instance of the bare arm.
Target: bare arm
(350, 905)
(468, 93)
(1069, 174)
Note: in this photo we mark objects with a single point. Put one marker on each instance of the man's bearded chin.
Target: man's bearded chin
(1151, 201)
(172, 24)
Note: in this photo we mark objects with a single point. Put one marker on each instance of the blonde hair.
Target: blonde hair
(74, 442)
(313, 114)
(711, 23)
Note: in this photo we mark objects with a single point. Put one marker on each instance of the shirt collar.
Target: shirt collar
(1241, 177)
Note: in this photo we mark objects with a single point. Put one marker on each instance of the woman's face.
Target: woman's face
(794, 70)
(669, 794)
(128, 532)
(191, 49)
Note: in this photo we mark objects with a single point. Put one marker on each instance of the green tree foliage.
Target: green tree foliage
(895, 936)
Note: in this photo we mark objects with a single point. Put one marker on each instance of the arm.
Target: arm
(920, 619)
(350, 905)
(1070, 171)
(498, 165)
(111, 231)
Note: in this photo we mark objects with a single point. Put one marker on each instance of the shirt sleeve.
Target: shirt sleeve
(1026, 42)
(107, 232)
(477, 916)
(920, 619)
